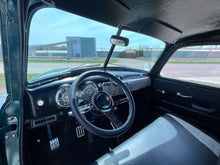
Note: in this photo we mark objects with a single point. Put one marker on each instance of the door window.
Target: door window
(197, 64)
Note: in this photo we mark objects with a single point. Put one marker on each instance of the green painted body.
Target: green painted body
(11, 46)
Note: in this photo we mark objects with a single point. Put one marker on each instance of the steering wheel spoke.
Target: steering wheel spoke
(113, 118)
(109, 87)
(120, 101)
(85, 108)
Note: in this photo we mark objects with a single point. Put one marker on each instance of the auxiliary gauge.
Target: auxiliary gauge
(63, 96)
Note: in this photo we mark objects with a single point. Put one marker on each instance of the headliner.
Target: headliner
(168, 20)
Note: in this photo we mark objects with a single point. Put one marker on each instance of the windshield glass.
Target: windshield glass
(60, 41)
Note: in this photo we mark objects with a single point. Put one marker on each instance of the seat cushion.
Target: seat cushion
(167, 141)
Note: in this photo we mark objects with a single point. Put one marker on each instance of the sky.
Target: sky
(52, 25)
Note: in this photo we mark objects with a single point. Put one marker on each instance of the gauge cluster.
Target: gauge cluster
(63, 96)
(86, 92)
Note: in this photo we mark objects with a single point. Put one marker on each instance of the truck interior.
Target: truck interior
(109, 114)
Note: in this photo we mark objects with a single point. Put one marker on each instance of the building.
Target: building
(81, 47)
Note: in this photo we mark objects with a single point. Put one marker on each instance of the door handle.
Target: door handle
(161, 91)
(184, 96)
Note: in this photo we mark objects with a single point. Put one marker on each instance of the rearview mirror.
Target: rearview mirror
(120, 41)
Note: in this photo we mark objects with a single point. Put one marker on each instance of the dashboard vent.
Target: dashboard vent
(43, 121)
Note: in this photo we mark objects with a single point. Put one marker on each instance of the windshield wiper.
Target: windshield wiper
(118, 65)
(87, 65)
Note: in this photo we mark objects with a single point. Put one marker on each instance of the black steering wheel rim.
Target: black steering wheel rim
(89, 126)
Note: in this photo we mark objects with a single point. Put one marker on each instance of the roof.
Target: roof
(168, 20)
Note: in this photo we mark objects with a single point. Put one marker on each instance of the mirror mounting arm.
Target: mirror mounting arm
(111, 49)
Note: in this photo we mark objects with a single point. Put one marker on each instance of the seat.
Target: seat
(167, 141)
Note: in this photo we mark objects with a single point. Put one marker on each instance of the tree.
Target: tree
(139, 53)
(123, 54)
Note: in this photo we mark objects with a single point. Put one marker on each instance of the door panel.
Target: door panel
(191, 101)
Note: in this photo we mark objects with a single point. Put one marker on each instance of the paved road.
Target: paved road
(191, 70)
(207, 72)
(43, 67)
(1, 67)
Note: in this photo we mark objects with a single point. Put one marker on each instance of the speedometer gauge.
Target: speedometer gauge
(88, 90)
(62, 96)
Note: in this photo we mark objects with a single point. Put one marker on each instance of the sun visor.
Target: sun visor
(106, 11)
(157, 29)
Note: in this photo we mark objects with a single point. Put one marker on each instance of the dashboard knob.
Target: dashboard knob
(40, 103)
(70, 113)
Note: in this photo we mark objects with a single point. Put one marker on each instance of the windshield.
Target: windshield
(60, 41)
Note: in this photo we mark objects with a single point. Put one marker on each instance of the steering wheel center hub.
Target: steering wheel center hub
(102, 101)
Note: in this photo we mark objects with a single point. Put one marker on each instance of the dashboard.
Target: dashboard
(49, 102)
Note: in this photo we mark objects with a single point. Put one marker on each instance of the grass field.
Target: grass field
(2, 81)
(112, 61)
(186, 62)
(31, 76)
(206, 83)
(68, 61)
(194, 62)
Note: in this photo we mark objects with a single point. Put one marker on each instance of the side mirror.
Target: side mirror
(120, 41)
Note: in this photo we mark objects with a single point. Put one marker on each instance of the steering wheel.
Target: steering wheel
(102, 102)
